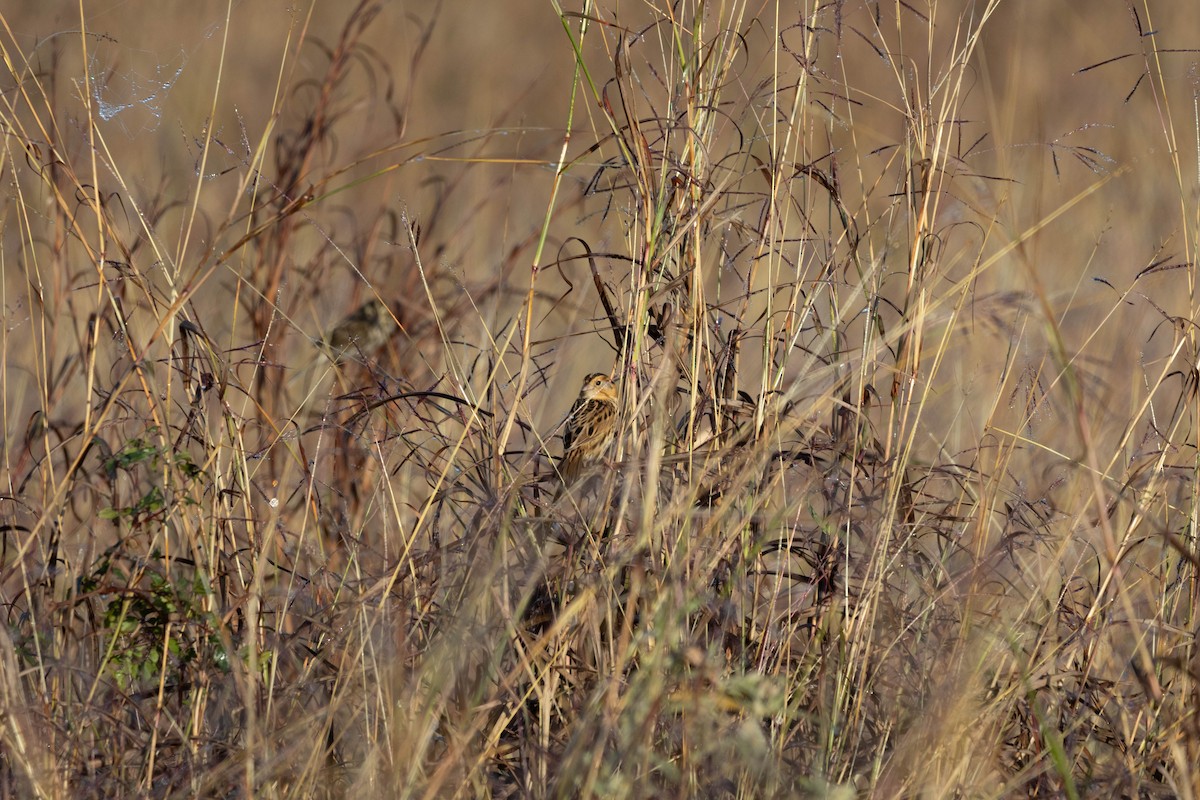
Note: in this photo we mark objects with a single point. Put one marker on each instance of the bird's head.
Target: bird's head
(598, 386)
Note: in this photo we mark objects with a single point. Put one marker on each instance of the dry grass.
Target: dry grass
(903, 499)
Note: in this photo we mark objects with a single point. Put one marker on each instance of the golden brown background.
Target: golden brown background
(1112, 147)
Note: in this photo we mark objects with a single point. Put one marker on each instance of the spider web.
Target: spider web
(132, 99)
(133, 96)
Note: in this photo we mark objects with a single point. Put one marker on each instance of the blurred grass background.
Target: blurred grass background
(490, 87)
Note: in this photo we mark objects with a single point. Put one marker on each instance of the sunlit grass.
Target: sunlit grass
(903, 495)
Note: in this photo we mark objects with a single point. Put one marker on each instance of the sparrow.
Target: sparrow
(590, 427)
(361, 333)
